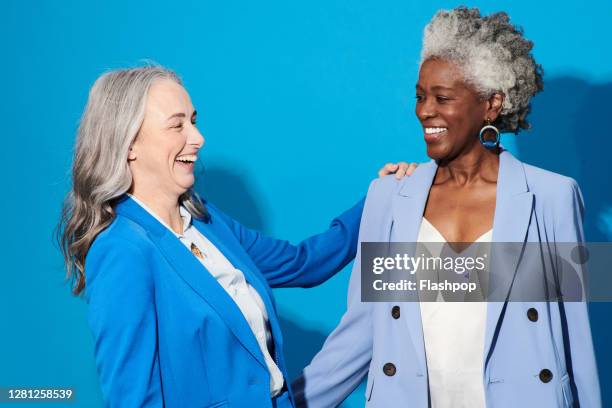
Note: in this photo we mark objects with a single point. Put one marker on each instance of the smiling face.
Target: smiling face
(450, 110)
(163, 155)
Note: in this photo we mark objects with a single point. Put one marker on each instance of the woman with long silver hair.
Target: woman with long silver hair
(179, 294)
(521, 348)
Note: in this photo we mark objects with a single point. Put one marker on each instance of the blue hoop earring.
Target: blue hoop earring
(489, 144)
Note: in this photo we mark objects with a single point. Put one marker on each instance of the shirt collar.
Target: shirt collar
(185, 216)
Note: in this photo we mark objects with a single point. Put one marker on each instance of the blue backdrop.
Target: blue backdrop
(300, 104)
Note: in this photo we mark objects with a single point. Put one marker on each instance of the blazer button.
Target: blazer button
(532, 314)
(546, 375)
(395, 312)
(389, 369)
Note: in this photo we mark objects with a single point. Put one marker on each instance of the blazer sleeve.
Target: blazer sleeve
(568, 229)
(122, 318)
(345, 357)
(308, 263)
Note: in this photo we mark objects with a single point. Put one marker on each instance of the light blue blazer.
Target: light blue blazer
(167, 334)
(532, 205)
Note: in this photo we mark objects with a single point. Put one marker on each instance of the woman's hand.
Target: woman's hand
(399, 170)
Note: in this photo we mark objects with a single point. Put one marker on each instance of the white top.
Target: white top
(453, 333)
(232, 280)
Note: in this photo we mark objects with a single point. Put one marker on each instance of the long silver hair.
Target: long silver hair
(100, 173)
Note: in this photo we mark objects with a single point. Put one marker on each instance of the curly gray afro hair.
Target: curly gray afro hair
(493, 55)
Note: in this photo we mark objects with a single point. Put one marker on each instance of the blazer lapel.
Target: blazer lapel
(195, 274)
(230, 248)
(514, 204)
(513, 209)
(408, 208)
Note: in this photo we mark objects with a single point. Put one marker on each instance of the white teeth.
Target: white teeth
(430, 130)
(190, 158)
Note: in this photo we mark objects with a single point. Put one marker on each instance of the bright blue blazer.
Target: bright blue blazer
(532, 205)
(167, 334)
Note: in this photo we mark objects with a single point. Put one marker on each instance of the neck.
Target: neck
(165, 206)
(476, 164)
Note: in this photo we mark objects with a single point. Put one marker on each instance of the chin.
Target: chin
(437, 151)
(185, 185)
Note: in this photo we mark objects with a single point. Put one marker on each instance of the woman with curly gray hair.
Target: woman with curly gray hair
(476, 80)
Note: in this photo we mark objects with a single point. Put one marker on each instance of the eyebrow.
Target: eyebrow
(177, 115)
(437, 88)
(440, 87)
(181, 115)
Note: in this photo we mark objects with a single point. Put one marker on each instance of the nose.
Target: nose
(195, 138)
(425, 109)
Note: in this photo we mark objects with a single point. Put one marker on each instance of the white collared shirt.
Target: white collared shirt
(233, 281)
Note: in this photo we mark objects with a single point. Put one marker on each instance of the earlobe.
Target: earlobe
(131, 155)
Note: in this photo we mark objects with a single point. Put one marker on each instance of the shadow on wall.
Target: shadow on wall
(232, 194)
(571, 136)
(301, 345)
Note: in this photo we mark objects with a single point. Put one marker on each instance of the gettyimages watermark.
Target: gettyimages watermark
(486, 272)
